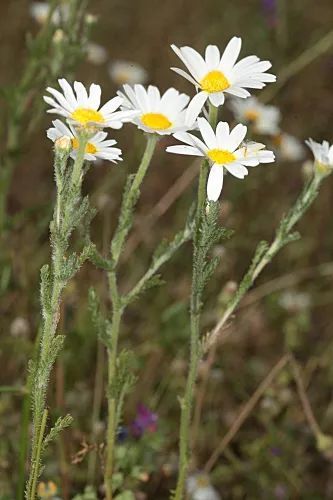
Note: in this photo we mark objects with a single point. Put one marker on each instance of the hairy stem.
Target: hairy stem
(195, 349)
(51, 298)
(118, 241)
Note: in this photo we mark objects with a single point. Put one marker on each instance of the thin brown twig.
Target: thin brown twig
(246, 411)
(303, 397)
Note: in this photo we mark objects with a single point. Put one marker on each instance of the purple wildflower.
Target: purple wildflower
(145, 420)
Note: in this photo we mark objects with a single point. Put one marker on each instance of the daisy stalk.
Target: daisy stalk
(125, 221)
(195, 306)
(70, 211)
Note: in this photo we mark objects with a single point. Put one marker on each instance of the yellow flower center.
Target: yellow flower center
(322, 168)
(84, 116)
(214, 81)
(90, 148)
(251, 115)
(156, 121)
(221, 156)
(202, 481)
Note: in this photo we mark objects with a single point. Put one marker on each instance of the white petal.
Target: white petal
(236, 136)
(195, 107)
(184, 150)
(207, 133)
(111, 105)
(194, 61)
(237, 169)
(185, 75)
(222, 134)
(68, 92)
(212, 56)
(217, 98)
(231, 53)
(215, 182)
(95, 96)
(81, 94)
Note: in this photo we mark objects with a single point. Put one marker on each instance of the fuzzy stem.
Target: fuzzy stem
(51, 311)
(195, 351)
(124, 225)
(38, 454)
(112, 367)
(130, 200)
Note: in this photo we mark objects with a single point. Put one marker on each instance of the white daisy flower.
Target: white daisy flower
(163, 115)
(264, 119)
(323, 155)
(97, 148)
(83, 109)
(96, 54)
(289, 148)
(122, 72)
(39, 11)
(199, 488)
(216, 75)
(224, 151)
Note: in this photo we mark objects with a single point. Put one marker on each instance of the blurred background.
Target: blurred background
(279, 451)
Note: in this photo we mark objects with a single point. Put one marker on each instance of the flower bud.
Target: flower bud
(64, 143)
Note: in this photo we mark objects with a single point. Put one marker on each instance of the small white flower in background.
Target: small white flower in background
(19, 327)
(97, 147)
(288, 147)
(293, 301)
(323, 155)
(83, 109)
(96, 54)
(199, 488)
(122, 72)
(39, 11)
(161, 114)
(218, 74)
(264, 119)
(224, 151)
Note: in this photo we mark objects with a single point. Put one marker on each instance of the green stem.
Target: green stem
(124, 225)
(187, 402)
(38, 455)
(24, 433)
(51, 309)
(112, 367)
(78, 163)
(131, 198)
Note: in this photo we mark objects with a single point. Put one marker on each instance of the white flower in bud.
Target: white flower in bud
(64, 143)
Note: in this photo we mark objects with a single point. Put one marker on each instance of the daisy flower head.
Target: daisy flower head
(323, 156)
(122, 72)
(215, 75)
(264, 119)
(40, 12)
(161, 114)
(225, 150)
(96, 54)
(82, 109)
(199, 487)
(97, 148)
(288, 147)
